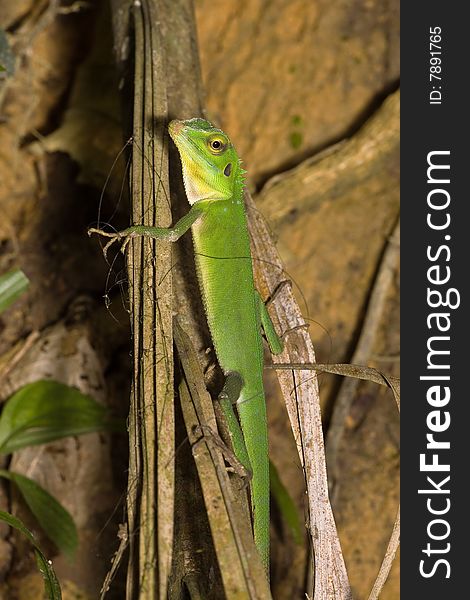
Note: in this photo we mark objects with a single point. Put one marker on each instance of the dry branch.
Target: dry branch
(151, 460)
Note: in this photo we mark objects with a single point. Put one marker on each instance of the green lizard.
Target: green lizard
(214, 182)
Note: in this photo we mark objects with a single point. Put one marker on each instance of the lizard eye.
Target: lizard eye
(217, 145)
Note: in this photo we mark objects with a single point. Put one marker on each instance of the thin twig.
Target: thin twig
(388, 559)
(28, 343)
(346, 370)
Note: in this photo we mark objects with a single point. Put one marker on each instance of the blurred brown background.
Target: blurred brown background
(307, 90)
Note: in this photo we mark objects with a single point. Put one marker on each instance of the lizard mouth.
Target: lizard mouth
(175, 127)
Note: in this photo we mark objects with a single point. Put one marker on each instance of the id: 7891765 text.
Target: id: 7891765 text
(435, 65)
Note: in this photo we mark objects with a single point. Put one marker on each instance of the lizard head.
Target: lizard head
(211, 167)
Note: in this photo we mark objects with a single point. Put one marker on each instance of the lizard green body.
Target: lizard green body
(214, 182)
(232, 305)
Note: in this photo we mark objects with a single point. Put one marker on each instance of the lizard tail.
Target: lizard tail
(252, 414)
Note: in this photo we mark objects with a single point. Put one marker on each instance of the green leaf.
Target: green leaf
(12, 285)
(44, 411)
(285, 504)
(56, 522)
(51, 584)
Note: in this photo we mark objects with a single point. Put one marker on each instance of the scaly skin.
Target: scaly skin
(225, 273)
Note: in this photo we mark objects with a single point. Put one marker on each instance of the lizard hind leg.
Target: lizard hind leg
(228, 398)
(232, 387)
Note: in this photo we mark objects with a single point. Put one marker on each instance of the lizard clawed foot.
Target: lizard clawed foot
(115, 237)
(207, 435)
